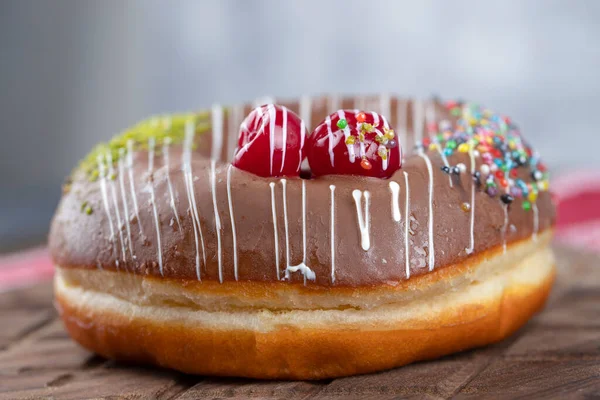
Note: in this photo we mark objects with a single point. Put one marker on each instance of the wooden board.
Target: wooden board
(556, 355)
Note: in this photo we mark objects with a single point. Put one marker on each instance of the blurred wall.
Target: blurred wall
(73, 73)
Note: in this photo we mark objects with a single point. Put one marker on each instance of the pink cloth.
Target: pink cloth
(578, 225)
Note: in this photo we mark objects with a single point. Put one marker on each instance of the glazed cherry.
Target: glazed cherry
(350, 142)
(271, 142)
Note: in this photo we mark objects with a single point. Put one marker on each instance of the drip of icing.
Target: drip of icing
(124, 200)
(189, 187)
(406, 224)
(272, 116)
(332, 235)
(536, 221)
(232, 218)
(363, 221)
(418, 121)
(351, 154)
(302, 267)
(401, 124)
(113, 193)
(284, 136)
(306, 271)
(330, 139)
(104, 192)
(286, 224)
(472, 216)
(430, 223)
(216, 116)
(305, 121)
(303, 222)
(504, 227)
(151, 146)
(166, 144)
(234, 120)
(132, 184)
(213, 181)
(430, 118)
(276, 237)
(395, 188)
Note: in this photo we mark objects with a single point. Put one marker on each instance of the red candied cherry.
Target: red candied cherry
(271, 142)
(351, 142)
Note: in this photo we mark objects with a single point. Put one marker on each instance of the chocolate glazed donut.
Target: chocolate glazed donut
(167, 253)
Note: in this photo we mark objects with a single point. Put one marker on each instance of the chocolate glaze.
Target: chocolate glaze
(79, 240)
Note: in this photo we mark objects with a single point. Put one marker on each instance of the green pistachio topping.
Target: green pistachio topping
(169, 128)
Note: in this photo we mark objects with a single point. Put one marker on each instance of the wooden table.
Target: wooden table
(556, 355)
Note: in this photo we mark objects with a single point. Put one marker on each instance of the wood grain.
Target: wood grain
(556, 355)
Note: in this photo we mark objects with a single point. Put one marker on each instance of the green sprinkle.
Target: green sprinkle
(88, 210)
(342, 124)
(526, 205)
(455, 111)
(451, 144)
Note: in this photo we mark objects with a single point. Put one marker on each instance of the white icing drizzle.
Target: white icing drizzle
(232, 218)
(276, 237)
(536, 221)
(272, 115)
(406, 224)
(213, 181)
(430, 118)
(305, 122)
(303, 222)
(401, 124)
(189, 187)
(384, 163)
(346, 130)
(330, 139)
(504, 227)
(113, 193)
(363, 220)
(151, 146)
(395, 188)
(305, 270)
(471, 247)
(166, 145)
(104, 192)
(425, 157)
(332, 235)
(235, 118)
(132, 184)
(124, 200)
(285, 223)
(284, 127)
(302, 267)
(216, 116)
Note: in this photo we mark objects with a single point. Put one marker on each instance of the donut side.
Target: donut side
(501, 292)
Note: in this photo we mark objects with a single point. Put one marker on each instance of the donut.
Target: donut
(309, 239)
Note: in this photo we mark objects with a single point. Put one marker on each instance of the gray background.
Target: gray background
(73, 73)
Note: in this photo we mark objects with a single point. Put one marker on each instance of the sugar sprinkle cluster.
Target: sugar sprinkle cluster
(498, 143)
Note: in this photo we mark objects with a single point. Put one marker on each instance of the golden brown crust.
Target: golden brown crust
(281, 354)
(297, 351)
